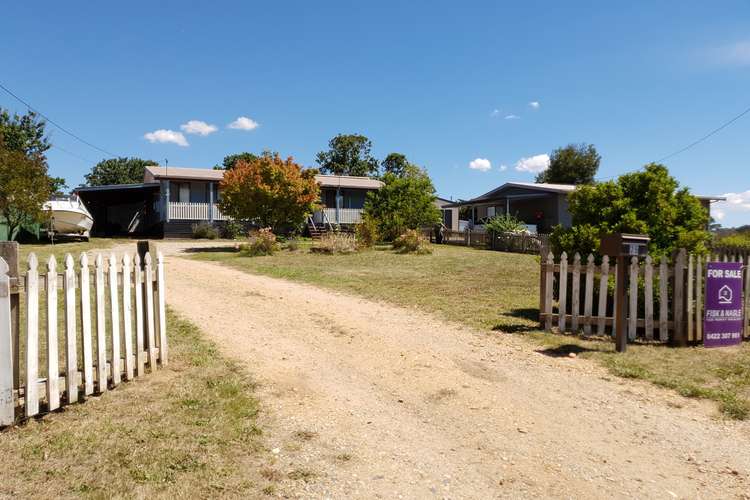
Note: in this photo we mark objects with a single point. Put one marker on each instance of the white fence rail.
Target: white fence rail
(340, 216)
(194, 211)
(78, 360)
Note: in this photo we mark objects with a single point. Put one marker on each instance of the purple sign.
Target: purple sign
(723, 320)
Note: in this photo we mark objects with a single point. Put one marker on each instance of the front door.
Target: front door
(184, 192)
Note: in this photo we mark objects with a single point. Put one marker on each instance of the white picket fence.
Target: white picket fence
(664, 297)
(121, 287)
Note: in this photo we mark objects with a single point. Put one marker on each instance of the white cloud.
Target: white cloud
(503, 168)
(198, 127)
(534, 104)
(733, 54)
(495, 112)
(736, 204)
(512, 117)
(244, 123)
(533, 164)
(164, 136)
(481, 164)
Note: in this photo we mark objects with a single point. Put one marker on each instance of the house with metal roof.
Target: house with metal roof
(171, 200)
(541, 206)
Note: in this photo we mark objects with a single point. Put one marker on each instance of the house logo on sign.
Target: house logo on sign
(725, 295)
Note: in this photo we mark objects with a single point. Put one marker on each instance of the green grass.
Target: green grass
(44, 250)
(488, 290)
(496, 291)
(186, 431)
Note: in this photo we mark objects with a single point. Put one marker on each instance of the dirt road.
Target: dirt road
(366, 400)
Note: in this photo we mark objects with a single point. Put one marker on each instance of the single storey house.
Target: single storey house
(541, 206)
(171, 200)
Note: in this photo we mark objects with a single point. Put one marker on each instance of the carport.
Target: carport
(123, 209)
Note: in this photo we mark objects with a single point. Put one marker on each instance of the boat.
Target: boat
(69, 216)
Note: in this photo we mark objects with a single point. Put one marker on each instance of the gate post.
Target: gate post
(9, 252)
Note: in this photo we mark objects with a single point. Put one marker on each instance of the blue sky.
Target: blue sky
(445, 83)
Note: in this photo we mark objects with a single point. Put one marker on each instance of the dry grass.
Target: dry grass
(185, 431)
(496, 291)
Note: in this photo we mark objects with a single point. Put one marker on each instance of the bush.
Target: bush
(204, 231)
(367, 232)
(232, 230)
(292, 244)
(335, 243)
(412, 241)
(736, 242)
(505, 224)
(262, 242)
(583, 239)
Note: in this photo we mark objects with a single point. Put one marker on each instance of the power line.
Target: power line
(714, 131)
(72, 154)
(53, 122)
(694, 143)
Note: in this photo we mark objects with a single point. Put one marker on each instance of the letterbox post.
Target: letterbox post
(621, 246)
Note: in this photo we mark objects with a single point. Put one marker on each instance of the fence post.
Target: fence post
(161, 288)
(7, 410)
(563, 293)
(603, 290)
(9, 252)
(680, 337)
(53, 370)
(145, 247)
(32, 337)
(88, 351)
(71, 343)
(575, 292)
(588, 301)
(114, 305)
(550, 276)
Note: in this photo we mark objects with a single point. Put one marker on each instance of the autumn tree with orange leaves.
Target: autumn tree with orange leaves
(269, 191)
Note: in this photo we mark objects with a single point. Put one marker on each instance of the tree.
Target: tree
(573, 164)
(24, 181)
(404, 202)
(24, 187)
(230, 160)
(24, 133)
(395, 163)
(348, 155)
(118, 171)
(645, 202)
(273, 192)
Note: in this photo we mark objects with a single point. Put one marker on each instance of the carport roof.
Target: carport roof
(116, 187)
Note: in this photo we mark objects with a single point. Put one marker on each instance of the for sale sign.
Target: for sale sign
(724, 319)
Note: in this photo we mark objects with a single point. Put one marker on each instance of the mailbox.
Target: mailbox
(624, 245)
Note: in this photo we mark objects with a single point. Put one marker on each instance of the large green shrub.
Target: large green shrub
(649, 202)
(366, 232)
(505, 223)
(204, 231)
(405, 201)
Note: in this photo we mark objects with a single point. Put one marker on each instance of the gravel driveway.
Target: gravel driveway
(367, 400)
